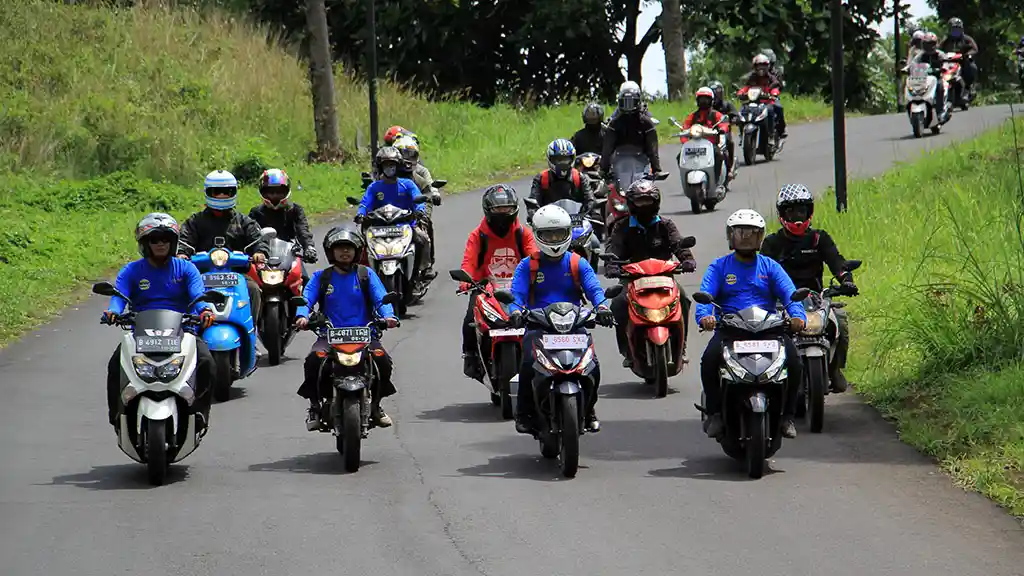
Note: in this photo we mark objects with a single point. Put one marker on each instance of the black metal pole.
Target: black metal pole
(374, 127)
(896, 56)
(838, 105)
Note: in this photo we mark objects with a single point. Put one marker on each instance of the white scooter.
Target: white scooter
(158, 384)
(920, 98)
(701, 184)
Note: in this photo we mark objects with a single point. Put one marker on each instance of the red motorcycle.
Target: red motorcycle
(657, 328)
(499, 343)
(956, 88)
(280, 280)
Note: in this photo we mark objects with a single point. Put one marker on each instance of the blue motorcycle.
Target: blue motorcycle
(232, 338)
(584, 240)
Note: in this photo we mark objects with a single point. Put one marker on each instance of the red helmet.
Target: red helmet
(393, 133)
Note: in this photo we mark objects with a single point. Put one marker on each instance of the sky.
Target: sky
(654, 61)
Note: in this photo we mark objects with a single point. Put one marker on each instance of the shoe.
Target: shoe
(627, 362)
(787, 428)
(428, 275)
(591, 423)
(524, 425)
(313, 417)
(837, 381)
(713, 426)
(380, 417)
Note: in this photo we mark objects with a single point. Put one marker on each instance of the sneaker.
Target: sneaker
(591, 423)
(788, 429)
(312, 417)
(713, 426)
(381, 418)
(524, 425)
(627, 362)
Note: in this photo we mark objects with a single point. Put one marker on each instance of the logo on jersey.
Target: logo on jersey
(143, 284)
(540, 278)
(503, 263)
(730, 279)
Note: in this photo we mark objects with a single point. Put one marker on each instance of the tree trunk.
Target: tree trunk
(675, 56)
(321, 80)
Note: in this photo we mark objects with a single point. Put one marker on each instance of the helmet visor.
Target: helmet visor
(222, 192)
(561, 163)
(746, 237)
(553, 235)
(629, 102)
(795, 212)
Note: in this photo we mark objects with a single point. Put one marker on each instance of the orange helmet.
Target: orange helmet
(392, 134)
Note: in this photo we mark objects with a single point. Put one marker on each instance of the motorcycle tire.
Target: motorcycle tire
(505, 370)
(916, 123)
(757, 443)
(350, 441)
(222, 375)
(156, 451)
(660, 364)
(817, 384)
(749, 149)
(569, 455)
(273, 341)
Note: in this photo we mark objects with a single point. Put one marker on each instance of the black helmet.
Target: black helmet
(388, 154)
(645, 191)
(593, 113)
(718, 88)
(501, 206)
(343, 234)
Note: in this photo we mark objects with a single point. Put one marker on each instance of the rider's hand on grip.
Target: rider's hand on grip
(109, 317)
(515, 318)
(301, 323)
(206, 318)
(850, 289)
(605, 317)
(310, 255)
(393, 322)
(358, 219)
(688, 266)
(707, 323)
(464, 286)
(796, 324)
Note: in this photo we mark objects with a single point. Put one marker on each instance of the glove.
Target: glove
(708, 323)
(464, 286)
(259, 258)
(358, 219)
(604, 316)
(393, 322)
(206, 318)
(689, 266)
(516, 318)
(109, 317)
(310, 255)
(850, 289)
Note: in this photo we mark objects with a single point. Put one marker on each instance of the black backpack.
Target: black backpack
(364, 286)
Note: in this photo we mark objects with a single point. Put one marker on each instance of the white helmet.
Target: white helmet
(743, 217)
(628, 86)
(552, 230)
(918, 35)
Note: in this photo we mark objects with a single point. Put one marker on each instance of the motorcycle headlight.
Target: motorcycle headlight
(272, 276)
(491, 314)
(563, 322)
(349, 359)
(170, 370)
(655, 314)
(619, 206)
(815, 324)
(143, 368)
(219, 258)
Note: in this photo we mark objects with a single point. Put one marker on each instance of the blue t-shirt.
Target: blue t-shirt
(168, 287)
(555, 283)
(400, 194)
(738, 285)
(345, 305)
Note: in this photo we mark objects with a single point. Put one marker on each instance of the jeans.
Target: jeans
(469, 344)
(620, 309)
(204, 382)
(525, 407)
(314, 366)
(255, 299)
(709, 375)
(969, 71)
(842, 342)
(780, 117)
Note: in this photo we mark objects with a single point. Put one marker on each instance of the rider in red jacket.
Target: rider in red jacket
(493, 250)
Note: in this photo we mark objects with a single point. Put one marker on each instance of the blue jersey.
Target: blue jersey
(400, 194)
(345, 305)
(555, 283)
(738, 285)
(168, 287)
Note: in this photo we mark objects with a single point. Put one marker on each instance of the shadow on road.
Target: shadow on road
(635, 390)
(520, 467)
(719, 467)
(322, 463)
(234, 393)
(475, 413)
(118, 477)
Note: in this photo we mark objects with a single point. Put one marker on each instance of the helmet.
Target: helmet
(561, 155)
(761, 63)
(593, 113)
(409, 149)
(393, 133)
(718, 88)
(552, 230)
(343, 234)
(501, 206)
(918, 35)
(955, 23)
(795, 206)
(388, 154)
(629, 96)
(275, 179)
(705, 97)
(929, 42)
(749, 219)
(221, 181)
(157, 224)
(643, 199)
(770, 54)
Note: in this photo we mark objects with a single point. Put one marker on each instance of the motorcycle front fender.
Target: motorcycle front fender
(388, 267)
(750, 128)
(657, 335)
(814, 352)
(349, 384)
(696, 177)
(157, 411)
(568, 388)
(917, 107)
(222, 337)
(758, 402)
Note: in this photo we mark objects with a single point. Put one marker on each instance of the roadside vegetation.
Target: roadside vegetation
(938, 331)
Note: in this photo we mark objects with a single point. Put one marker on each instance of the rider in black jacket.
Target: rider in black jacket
(631, 124)
(283, 215)
(590, 138)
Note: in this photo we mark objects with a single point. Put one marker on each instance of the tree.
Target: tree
(675, 54)
(627, 12)
(321, 81)
(991, 23)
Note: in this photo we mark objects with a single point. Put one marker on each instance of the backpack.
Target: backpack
(574, 266)
(364, 286)
(545, 179)
(483, 246)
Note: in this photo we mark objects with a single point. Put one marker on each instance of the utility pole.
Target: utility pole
(838, 106)
(372, 49)
(896, 56)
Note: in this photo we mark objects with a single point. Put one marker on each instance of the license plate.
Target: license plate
(653, 283)
(220, 280)
(696, 152)
(755, 346)
(576, 219)
(387, 231)
(506, 332)
(158, 344)
(565, 341)
(358, 335)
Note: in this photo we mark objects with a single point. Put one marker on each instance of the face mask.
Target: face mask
(644, 214)
(390, 171)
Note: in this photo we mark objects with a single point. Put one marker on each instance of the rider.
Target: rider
(630, 125)
(288, 218)
(220, 219)
(352, 298)
(412, 168)
(707, 116)
(930, 55)
(562, 181)
(763, 78)
(644, 235)
(915, 45)
(959, 42)
(493, 250)
(803, 251)
(737, 281)
(772, 61)
(391, 189)
(553, 274)
(590, 138)
(729, 110)
(159, 282)
(393, 133)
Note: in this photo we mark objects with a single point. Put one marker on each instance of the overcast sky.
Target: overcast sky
(654, 60)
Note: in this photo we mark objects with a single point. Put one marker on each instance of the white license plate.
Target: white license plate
(755, 346)
(507, 332)
(696, 152)
(653, 283)
(565, 341)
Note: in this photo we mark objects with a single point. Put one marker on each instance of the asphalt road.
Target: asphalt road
(451, 490)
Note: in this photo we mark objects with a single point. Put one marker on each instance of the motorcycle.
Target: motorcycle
(753, 378)
(584, 242)
(590, 164)
(499, 343)
(350, 370)
(919, 96)
(563, 362)
(956, 89)
(757, 125)
(232, 338)
(657, 328)
(816, 345)
(280, 281)
(158, 383)
(392, 253)
(701, 184)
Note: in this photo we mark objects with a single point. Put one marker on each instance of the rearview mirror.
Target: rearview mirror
(213, 297)
(389, 298)
(800, 294)
(613, 291)
(268, 233)
(703, 298)
(689, 242)
(851, 265)
(504, 296)
(439, 183)
(460, 276)
(103, 289)
(351, 200)
(420, 198)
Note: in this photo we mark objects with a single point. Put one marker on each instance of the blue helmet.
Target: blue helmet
(221, 181)
(561, 155)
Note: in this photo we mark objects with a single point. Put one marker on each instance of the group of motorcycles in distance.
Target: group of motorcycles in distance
(921, 89)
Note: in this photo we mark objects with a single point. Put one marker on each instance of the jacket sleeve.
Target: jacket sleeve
(310, 293)
(535, 191)
(972, 46)
(783, 288)
(772, 247)
(688, 121)
(472, 255)
(378, 291)
(617, 247)
(252, 234)
(188, 235)
(302, 232)
(413, 190)
(587, 190)
(521, 283)
(610, 138)
(529, 242)
(123, 284)
(196, 288)
(651, 147)
(709, 284)
(675, 242)
(366, 204)
(591, 284)
(254, 213)
(830, 255)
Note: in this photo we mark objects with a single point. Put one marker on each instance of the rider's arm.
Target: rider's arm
(194, 283)
(609, 147)
(675, 243)
(688, 121)
(829, 253)
(587, 187)
(972, 46)
(302, 233)
(617, 246)
(189, 235)
(710, 284)
(472, 255)
(591, 284)
(252, 234)
(413, 190)
(783, 287)
(521, 283)
(771, 247)
(310, 293)
(529, 243)
(535, 190)
(254, 213)
(377, 290)
(651, 147)
(366, 204)
(123, 284)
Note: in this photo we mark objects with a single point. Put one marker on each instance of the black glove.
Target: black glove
(358, 219)
(688, 266)
(605, 316)
(310, 255)
(850, 289)
(515, 318)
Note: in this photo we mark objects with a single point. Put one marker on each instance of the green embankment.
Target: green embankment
(938, 331)
(107, 114)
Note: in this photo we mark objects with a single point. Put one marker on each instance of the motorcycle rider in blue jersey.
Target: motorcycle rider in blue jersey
(553, 275)
(159, 281)
(737, 281)
(391, 189)
(351, 297)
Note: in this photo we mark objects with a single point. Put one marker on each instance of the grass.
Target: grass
(108, 113)
(938, 331)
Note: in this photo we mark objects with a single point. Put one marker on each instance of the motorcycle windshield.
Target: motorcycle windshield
(388, 213)
(281, 255)
(753, 319)
(630, 164)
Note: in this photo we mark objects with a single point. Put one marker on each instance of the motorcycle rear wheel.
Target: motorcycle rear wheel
(350, 442)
